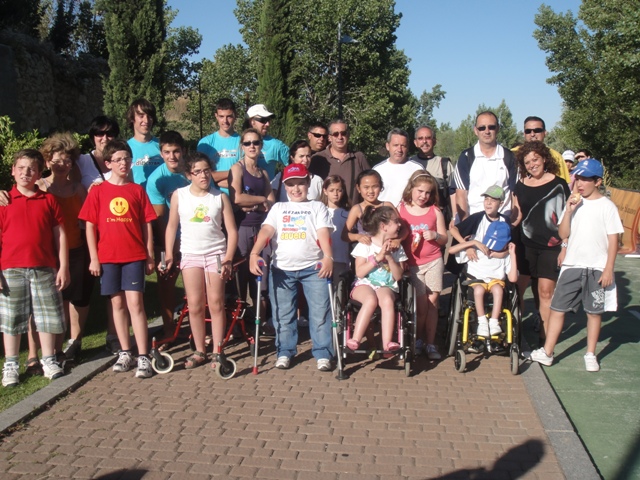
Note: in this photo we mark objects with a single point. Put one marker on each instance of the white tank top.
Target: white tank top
(201, 222)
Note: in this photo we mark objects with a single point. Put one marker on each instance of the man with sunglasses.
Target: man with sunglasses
(339, 159)
(222, 147)
(535, 129)
(274, 151)
(485, 164)
(318, 136)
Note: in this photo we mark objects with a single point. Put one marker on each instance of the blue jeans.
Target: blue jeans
(284, 302)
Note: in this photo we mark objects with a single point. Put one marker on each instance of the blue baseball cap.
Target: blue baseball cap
(498, 236)
(589, 168)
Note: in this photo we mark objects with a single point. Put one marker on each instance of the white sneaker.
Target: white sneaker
(540, 356)
(432, 352)
(494, 327)
(124, 362)
(10, 374)
(52, 369)
(483, 327)
(283, 363)
(591, 362)
(324, 365)
(144, 367)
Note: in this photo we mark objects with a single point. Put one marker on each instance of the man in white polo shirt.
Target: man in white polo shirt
(397, 169)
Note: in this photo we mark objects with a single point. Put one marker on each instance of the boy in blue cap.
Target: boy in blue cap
(485, 245)
(592, 224)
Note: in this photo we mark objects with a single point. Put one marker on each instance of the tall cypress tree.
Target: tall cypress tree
(275, 89)
(135, 31)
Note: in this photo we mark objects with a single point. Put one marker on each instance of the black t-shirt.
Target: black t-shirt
(541, 208)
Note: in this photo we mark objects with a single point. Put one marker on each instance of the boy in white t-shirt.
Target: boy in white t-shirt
(484, 239)
(592, 224)
(300, 232)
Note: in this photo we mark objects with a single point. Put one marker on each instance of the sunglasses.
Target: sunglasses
(108, 133)
(343, 133)
(490, 127)
(529, 131)
(262, 119)
(319, 135)
(255, 143)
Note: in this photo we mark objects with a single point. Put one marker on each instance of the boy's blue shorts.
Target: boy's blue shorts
(118, 277)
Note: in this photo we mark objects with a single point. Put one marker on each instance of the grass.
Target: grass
(93, 341)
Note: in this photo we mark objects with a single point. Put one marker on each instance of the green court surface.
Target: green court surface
(604, 406)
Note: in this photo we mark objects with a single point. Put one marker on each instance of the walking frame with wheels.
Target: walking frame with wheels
(462, 323)
(235, 308)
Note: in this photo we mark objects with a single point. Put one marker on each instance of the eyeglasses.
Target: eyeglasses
(262, 119)
(529, 131)
(255, 143)
(197, 173)
(490, 127)
(343, 133)
(319, 135)
(124, 160)
(108, 133)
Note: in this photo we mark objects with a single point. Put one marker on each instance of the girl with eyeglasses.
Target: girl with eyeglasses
(428, 234)
(252, 197)
(201, 210)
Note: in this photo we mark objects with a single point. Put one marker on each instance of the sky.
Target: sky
(480, 52)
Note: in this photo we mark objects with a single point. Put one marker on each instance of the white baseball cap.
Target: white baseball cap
(259, 110)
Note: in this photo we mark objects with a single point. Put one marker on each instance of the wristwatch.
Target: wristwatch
(564, 245)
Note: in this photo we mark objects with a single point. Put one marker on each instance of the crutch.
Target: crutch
(334, 328)
(257, 334)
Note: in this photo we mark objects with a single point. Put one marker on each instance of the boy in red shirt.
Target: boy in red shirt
(33, 242)
(119, 215)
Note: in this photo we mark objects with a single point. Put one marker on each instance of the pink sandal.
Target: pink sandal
(353, 344)
(393, 346)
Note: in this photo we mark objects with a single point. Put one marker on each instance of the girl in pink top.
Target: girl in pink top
(419, 210)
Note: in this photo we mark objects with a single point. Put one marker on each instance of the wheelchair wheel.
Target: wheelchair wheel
(226, 373)
(455, 307)
(460, 360)
(514, 357)
(407, 363)
(164, 365)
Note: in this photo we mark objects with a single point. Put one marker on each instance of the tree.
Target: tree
(135, 32)
(21, 15)
(596, 69)
(375, 73)
(89, 35)
(64, 24)
(427, 103)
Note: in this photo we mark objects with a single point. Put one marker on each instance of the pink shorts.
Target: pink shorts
(208, 263)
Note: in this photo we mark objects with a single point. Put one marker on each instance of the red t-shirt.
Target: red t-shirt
(120, 213)
(426, 251)
(27, 225)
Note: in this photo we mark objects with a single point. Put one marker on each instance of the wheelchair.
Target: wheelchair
(463, 320)
(346, 311)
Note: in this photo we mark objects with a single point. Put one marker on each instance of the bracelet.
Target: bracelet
(327, 256)
(256, 254)
(372, 260)
(437, 236)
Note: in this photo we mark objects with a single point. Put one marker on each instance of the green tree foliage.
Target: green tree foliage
(375, 73)
(135, 32)
(89, 35)
(595, 62)
(21, 15)
(274, 80)
(64, 24)
(427, 103)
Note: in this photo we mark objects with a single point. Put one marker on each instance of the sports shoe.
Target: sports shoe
(324, 365)
(537, 322)
(494, 327)
(52, 369)
(283, 363)
(483, 327)
(591, 362)
(10, 375)
(72, 352)
(419, 347)
(112, 344)
(432, 352)
(144, 367)
(540, 356)
(303, 322)
(124, 362)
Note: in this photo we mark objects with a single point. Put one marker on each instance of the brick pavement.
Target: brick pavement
(295, 424)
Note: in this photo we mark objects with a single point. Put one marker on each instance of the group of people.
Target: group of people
(129, 208)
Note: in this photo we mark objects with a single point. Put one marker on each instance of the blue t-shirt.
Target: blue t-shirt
(146, 158)
(273, 151)
(222, 151)
(162, 183)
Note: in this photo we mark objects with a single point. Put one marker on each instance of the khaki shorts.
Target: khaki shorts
(427, 278)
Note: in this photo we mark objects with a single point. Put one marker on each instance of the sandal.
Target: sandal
(393, 346)
(165, 346)
(195, 360)
(34, 367)
(353, 344)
